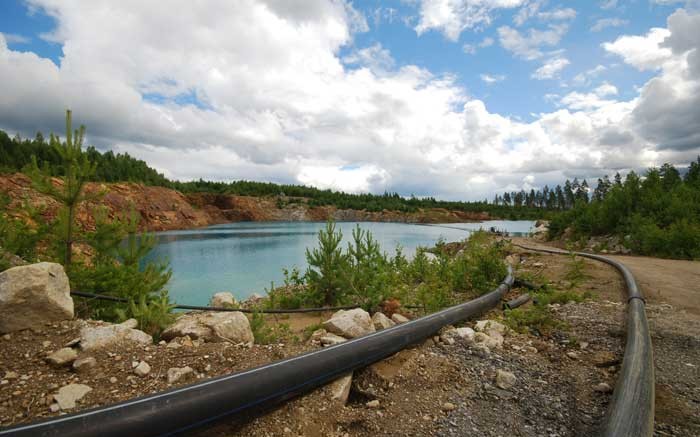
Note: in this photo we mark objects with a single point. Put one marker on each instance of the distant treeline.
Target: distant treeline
(16, 154)
(657, 214)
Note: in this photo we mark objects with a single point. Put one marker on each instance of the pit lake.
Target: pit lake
(244, 258)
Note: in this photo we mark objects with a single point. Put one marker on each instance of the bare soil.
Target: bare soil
(436, 388)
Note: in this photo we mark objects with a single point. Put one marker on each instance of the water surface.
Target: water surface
(244, 257)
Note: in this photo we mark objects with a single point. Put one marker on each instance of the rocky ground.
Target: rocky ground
(557, 384)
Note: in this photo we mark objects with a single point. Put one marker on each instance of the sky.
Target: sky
(456, 99)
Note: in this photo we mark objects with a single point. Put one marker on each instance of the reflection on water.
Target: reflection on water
(244, 257)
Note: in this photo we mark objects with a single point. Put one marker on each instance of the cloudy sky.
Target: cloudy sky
(457, 99)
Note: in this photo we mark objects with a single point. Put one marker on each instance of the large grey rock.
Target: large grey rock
(33, 295)
(381, 321)
(69, 394)
(350, 324)
(230, 326)
(102, 336)
(222, 299)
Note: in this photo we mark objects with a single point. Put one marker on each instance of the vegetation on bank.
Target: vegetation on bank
(362, 274)
(106, 260)
(657, 214)
(16, 156)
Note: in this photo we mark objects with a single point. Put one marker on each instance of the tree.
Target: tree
(328, 265)
(70, 194)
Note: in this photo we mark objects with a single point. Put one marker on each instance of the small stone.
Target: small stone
(331, 339)
(113, 380)
(505, 379)
(62, 357)
(530, 349)
(381, 321)
(45, 344)
(572, 355)
(177, 373)
(142, 369)
(373, 404)
(7, 337)
(340, 388)
(83, 364)
(11, 375)
(398, 318)
(54, 408)
(69, 394)
(583, 345)
(603, 387)
(537, 264)
(448, 406)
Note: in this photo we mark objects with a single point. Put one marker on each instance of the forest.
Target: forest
(16, 156)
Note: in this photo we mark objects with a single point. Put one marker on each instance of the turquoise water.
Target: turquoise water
(244, 257)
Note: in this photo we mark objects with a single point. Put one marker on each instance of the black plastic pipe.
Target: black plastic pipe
(631, 410)
(203, 308)
(518, 301)
(187, 407)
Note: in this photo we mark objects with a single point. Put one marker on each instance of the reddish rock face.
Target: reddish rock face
(164, 209)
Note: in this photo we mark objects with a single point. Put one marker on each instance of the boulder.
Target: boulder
(214, 327)
(32, 295)
(504, 379)
(177, 373)
(340, 388)
(493, 341)
(62, 357)
(101, 336)
(223, 299)
(350, 324)
(381, 321)
(398, 318)
(69, 394)
(131, 323)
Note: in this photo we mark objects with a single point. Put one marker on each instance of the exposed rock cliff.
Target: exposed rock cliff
(165, 209)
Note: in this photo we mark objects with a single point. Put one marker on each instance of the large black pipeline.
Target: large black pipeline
(187, 407)
(631, 410)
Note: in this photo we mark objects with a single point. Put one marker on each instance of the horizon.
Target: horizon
(451, 100)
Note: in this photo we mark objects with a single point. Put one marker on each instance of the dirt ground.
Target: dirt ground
(436, 388)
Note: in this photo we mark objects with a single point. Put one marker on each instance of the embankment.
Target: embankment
(164, 209)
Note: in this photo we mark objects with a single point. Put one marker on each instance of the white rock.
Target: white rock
(373, 404)
(62, 357)
(177, 373)
(330, 339)
(84, 364)
(398, 318)
(232, 326)
(340, 388)
(381, 321)
(466, 334)
(32, 295)
(142, 369)
(504, 379)
(315, 337)
(223, 299)
(131, 323)
(69, 394)
(491, 341)
(350, 324)
(97, 337)
(490, 326)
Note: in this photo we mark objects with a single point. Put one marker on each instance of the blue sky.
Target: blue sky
(452, 98)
